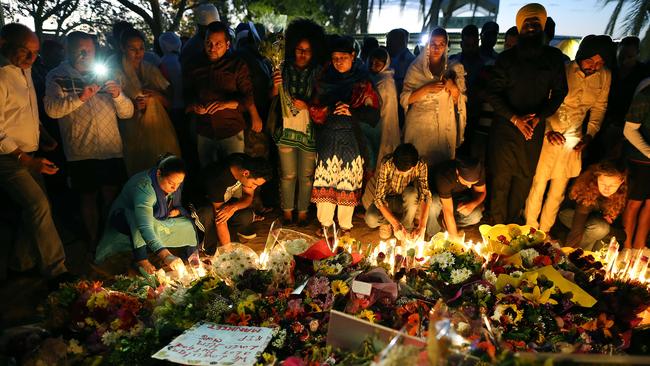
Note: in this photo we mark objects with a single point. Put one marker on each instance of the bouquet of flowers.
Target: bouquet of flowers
(453, 267)
(234, 260)
(510, 239)
(273, 49)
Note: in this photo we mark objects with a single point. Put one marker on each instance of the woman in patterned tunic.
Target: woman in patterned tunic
(344, 98)
(295, 134)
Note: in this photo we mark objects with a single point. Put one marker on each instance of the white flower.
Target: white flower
(109, 338)
(460, 275)
(482, 289)
(462, 327)
(528, 255)
(490, 276)
(517, 274)
(444, 260)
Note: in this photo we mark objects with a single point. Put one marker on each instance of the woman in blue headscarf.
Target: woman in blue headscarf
(148, 214)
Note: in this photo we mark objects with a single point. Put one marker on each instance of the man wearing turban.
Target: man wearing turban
(528, 85)
(560, 159)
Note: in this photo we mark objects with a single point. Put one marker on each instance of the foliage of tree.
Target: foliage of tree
(41, 11)
(635, 20)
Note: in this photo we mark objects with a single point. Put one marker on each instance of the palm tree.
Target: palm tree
(636, 18)
(431, 15)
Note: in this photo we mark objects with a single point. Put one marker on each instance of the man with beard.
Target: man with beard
(528, 85)
(560, 159)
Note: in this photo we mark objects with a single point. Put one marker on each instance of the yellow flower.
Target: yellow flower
(115, 324)
(74, 347)
(340, 287)
(500, 311)
(367, 314)
(90, 321)
(268, 358)
(315, 307)
(97, 300)
(539, 297)
(248, 303)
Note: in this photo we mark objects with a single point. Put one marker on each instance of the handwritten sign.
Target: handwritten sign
(216, 344)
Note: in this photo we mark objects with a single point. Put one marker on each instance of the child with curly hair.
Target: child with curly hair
(599, 194)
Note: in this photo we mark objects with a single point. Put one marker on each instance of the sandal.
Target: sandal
(258, 218)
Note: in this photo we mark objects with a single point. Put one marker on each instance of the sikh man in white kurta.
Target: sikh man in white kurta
(560, 160)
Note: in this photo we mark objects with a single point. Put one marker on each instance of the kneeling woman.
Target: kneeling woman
(148, 215)
(599, 194)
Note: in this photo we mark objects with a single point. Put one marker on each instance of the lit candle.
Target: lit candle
(640, 268)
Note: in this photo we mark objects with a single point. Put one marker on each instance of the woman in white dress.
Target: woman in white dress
(434, 100)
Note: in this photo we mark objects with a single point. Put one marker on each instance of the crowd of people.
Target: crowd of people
(421, 142)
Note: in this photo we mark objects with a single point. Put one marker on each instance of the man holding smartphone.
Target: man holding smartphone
(88, 114)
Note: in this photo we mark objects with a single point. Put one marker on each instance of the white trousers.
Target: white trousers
(551, 205)
(325, 214)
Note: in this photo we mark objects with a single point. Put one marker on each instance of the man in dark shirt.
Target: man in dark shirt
(528, 84)
(489, 35)
(219, 90)
(626, 76)
(229, 189)
(460, 192)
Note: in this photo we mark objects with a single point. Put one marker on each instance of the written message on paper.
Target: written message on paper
(216, 344)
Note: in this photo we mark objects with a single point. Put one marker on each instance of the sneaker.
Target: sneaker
(385, 231)
(250, 236)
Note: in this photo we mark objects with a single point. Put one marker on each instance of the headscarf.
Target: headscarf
(170, 43)
(532, 10)
(335, 86)
(165, 202)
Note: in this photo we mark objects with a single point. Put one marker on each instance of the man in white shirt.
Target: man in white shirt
(560, 159)
(20, 171)
(87, 104)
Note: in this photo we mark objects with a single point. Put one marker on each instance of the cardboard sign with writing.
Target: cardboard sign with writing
(348, 332)
(216, 344)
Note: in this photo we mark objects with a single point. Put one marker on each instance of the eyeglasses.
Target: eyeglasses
(303, 51)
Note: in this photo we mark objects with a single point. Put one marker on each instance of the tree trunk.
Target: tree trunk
(363, 17)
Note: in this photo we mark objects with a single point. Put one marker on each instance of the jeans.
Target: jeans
(240, 222)
(211, 150)
(296, 165)
(405, 204)
(27, 190)
(595, 229)
(434, 227)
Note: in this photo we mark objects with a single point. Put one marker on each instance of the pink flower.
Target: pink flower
(293, 361)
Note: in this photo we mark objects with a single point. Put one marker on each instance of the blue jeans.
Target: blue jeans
(405, 204)
(595, 229)
(211, 150)
(27, 190)
(296, 165)
(461, 220)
